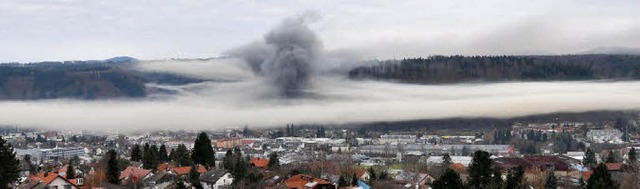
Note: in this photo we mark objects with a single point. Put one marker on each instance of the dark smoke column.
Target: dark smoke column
(295, 49)
(287, 56)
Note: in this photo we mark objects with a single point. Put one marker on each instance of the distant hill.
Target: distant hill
(453, 69)
(490, 124)
(613, 50)
(93, 79)
(67, 81)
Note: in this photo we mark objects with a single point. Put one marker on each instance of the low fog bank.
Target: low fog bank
(212, 105)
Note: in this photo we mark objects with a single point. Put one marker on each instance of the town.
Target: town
(526, 155)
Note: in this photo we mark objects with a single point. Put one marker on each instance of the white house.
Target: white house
(215, 179)
(55, 181)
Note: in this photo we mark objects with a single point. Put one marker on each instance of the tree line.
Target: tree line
(452, 69)
(483, 174)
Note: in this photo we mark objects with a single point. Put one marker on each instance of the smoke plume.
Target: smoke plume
(286, 56)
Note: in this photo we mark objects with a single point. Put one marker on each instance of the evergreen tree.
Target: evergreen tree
(9, 171)
(227, 161)
(601, 178)
(172, 154)
(552, 181)
(342, 182)
(496, 179)
(150, 158)
(163, 156)
(633, 155)
(274, 162)
(354, 180)
(113, 174)
(383, 175)
(136, 154)
(181, 156)
(240, 166)
(449, 180)
(611, 157)
(446, 160)
(154, 151)
(146, 148)
(75, 160)
(70, 172)
(372, 175)
(514, 179)
(480, 170)
(203, 153)
(589, 159)
(194, 177)
(27, 159)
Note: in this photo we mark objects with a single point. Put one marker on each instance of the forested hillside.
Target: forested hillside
(67, 80)
(452, 69)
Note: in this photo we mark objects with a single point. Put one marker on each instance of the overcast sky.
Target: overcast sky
(36, 30)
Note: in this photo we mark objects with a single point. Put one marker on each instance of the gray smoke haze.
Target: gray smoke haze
(286, 57)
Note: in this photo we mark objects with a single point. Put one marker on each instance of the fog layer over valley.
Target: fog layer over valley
(214, 104)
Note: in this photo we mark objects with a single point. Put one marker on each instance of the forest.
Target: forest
(67, 80)
(455, 69)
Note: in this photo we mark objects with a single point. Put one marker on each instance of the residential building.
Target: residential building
(215, 179)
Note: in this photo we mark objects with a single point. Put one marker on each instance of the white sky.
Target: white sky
(37, 30)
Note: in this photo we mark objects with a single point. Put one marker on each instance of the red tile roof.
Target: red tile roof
(49, 178)
(614, 166)
(46, 180)
(458, 167)
(132, 171)
(298, 181)
(360, 172)
(586, 175)
(163, 167)
(186, 169)
(260, 162)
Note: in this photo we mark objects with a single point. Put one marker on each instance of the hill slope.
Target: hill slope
(453, 69)
(47, 81)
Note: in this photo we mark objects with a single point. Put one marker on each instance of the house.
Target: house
(260, 162)
(301, 181)
(413, 178)
(63, 171)
(362, 174)
(160, 179)
(54, 181)
(31, 184)
(545, 162)
(134, 174)
(228, 143)
(215, 179)
(508, 163)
